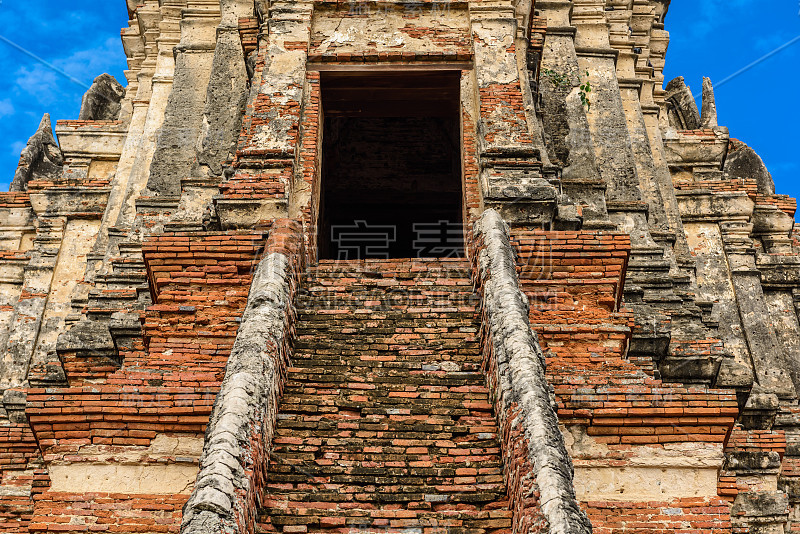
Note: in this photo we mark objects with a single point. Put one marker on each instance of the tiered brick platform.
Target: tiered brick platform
(166, 385)
(385, 423)
(574, 281)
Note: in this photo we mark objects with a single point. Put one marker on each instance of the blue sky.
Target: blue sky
(714, 38)
(80, 37)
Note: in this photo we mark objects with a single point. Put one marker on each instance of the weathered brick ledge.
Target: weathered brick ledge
(538, 469)
(234, 461)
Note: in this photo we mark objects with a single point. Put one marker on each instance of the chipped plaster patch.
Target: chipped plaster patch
(166, 479)
(644, 483)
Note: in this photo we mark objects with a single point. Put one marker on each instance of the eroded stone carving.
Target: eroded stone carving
(743, 162)
(102, 102)
(41, 159)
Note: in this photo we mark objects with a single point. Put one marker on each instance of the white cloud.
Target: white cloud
(769, 42)
(16, 147)
(713, 14)
(6, 108)
(90, 63)
(48, 85)
(39, 82)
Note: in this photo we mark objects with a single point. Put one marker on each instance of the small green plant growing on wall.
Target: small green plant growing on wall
(584, 90)
(559, 81)
(563, 81)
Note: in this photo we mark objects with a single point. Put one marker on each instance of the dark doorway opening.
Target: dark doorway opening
(391, 165)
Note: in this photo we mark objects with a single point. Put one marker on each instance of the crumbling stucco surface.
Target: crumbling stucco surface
(439, 28)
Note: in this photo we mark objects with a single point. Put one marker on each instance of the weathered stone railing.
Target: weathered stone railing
(235, 456)
(538, 469)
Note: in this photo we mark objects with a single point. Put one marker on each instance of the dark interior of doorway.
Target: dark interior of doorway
(391, 165)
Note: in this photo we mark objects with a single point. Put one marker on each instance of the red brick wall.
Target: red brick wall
(505, 100)
(698, 516)
(574, 282)
(14, 200)
(752, 441)
(469, 165)
(19, 455)
(107, 512)
(248, 34)
(166, 384)
(311, 137)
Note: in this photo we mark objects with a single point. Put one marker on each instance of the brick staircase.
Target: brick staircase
(385, 423)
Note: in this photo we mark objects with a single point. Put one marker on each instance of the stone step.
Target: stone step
(447, 362)
(411, 267)
(371, 422)
(369, 331)
(404, 427)
(444, 277)
(346, 492)
(425, 397)
(358, 440)
(446, 281)
(300, 517)
(397, 288)
(295, 471)
(380, 477)
(350, 352)
(301, 380)
(386, 423)
(403, 327)
(411, 286)
(480, 447)
(355, 311)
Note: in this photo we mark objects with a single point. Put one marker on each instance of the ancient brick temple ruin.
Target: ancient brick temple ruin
(372, 266)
